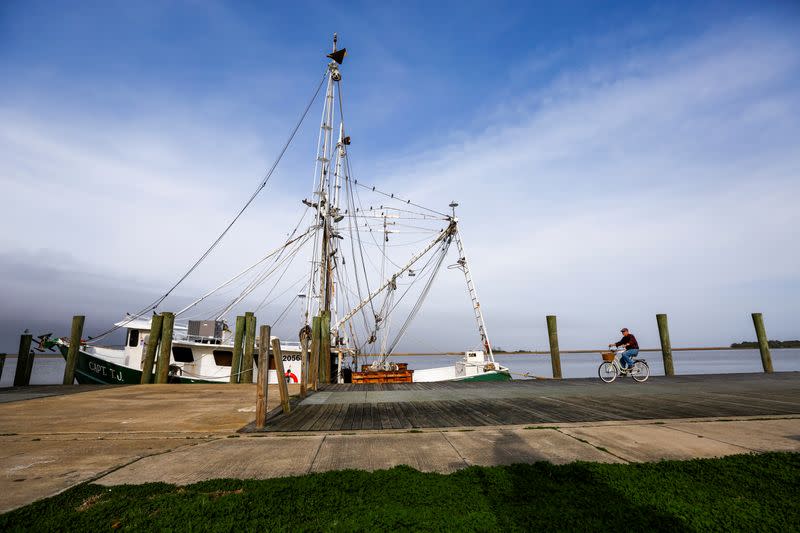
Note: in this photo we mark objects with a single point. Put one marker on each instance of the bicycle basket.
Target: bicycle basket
(607, 356)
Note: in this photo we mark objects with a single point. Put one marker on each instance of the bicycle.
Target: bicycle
(609, 369)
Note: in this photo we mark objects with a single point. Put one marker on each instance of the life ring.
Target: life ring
(290, 377)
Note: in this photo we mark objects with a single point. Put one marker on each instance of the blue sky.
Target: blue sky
(612, 160)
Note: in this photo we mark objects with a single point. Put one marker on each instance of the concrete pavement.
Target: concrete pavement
(444, 451)
(49, 443)
(187, 433)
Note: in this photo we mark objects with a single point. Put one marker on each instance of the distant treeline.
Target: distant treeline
(739, 345)
(772, 344)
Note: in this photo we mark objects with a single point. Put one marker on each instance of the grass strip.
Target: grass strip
(741, 492)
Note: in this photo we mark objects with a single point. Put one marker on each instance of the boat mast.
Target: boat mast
(473, 293)
(323, 192)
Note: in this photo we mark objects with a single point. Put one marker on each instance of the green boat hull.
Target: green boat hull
(91, 370)
(501, 375)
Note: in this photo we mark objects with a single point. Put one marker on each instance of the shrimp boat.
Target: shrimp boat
(367, 281)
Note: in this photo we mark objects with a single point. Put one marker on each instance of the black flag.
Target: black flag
(338, 55)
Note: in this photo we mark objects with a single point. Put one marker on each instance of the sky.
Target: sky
(611, 160)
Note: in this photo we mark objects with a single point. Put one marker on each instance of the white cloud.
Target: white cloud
(663, 180)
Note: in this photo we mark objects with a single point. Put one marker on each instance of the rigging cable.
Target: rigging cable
(351, 202)
(255, 193)
(264, 275)
(374, 189)
(289, 305)
(260, 187)
(386, 314)
(348, 171)
(395, 197)
(422, 296)
(278, 251)
(310, 229)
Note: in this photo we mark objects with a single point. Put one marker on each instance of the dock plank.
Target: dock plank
(349, 417)
(431, 405)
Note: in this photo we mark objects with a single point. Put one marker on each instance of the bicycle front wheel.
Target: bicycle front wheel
(607, 372)
(641, 371)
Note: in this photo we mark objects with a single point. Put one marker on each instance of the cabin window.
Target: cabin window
(133, 338)
(182, 354)
(223, 357)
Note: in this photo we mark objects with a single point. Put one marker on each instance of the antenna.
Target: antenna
(453, 206)
(337, 55)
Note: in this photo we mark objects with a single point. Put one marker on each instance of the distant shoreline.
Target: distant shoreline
(596, 350)
(501, 352)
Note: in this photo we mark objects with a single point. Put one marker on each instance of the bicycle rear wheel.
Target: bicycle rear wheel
(641, 371)
(607, 372)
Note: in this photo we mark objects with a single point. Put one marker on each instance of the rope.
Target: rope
(278, 251)
(200, 376)
(265, 303)
(529, 375)
(374, 189)
(302, 217)
(352, 203)
(395, 197)
(260, 187)
(255, 193)
(264, 275)
(422, 296)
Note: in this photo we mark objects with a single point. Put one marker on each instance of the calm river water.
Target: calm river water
(49, 370)
(585, 365)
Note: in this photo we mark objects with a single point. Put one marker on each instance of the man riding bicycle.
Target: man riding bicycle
(631, 348)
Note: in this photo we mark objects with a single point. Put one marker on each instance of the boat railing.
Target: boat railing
(290, 343)
(200, 339)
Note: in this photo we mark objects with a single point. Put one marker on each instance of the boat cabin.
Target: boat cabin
(202, 350)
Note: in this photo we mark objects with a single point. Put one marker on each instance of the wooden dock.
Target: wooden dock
(438, 405)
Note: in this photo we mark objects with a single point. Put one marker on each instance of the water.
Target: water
(584, 365)
(49, 370)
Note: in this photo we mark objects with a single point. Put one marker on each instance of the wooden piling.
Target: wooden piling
(74, 348)
(249, 348)
(555, 355)
(303, 363)
(162, 365)
(325, 348)
(238, 346)
(22, 376)
(283, 387)
(2, 364)
(151, 347)
(262, 388)
(313, 366)
(666, 345)
(763, 343)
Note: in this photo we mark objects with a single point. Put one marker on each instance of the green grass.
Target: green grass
(744, 492)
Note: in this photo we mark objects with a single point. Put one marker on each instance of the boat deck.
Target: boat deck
(451, 404)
